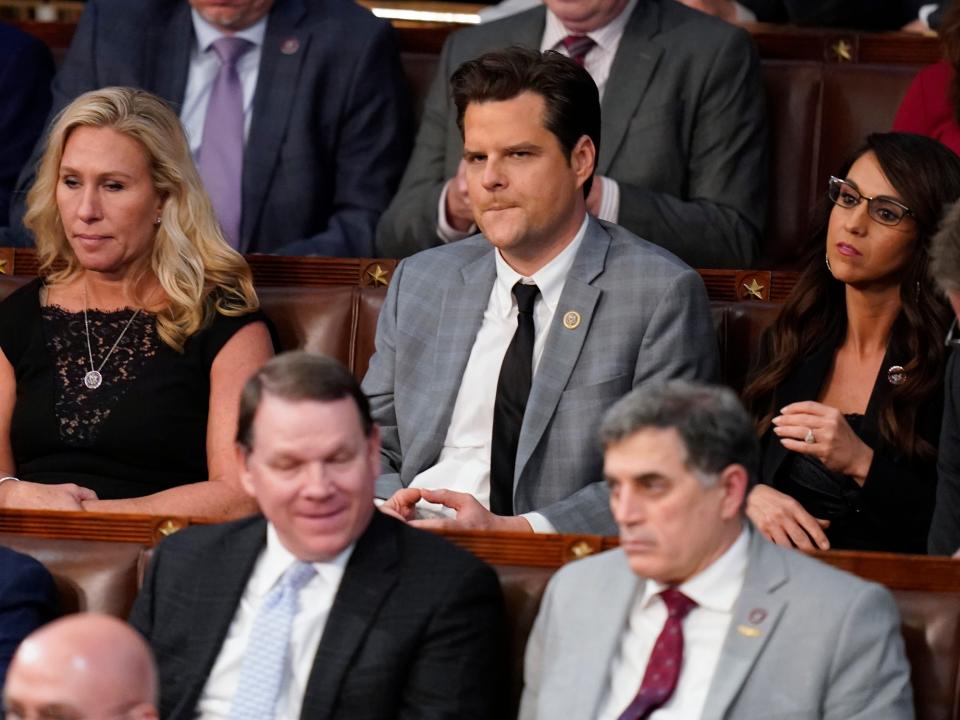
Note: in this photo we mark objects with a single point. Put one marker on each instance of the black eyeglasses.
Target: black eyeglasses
(884, 210)
(952, 341)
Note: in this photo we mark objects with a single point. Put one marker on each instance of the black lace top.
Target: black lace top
(142, 430)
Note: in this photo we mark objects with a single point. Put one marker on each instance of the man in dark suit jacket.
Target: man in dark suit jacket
(683, 137)
(397, 623)
(28, 599)
(26, 68)
(328, 132)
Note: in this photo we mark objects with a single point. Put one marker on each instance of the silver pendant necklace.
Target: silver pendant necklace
(93, 378)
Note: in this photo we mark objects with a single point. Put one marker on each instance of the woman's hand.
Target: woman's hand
(816, 429)
(38, 496)
(784, 521)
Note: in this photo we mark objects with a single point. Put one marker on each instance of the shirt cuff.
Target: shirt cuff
(744, 15)
(610, 200)
(538, 522)
(445, 231)
(925, 12)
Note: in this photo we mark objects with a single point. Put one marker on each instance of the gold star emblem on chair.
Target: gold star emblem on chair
(378, 276)
(842, 50)
(754, 289)
(3, 267)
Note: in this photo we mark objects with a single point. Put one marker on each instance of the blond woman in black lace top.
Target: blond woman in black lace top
(121, 367)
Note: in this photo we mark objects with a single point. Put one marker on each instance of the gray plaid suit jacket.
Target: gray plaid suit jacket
(644, 318)
(806, 642)
(683, 133)
(415, 630)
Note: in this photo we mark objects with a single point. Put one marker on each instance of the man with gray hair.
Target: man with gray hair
(944, 537)
(696, 615)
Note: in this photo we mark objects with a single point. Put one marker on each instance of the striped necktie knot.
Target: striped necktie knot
(578, 46)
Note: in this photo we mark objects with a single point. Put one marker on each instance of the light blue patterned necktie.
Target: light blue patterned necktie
(268, 647)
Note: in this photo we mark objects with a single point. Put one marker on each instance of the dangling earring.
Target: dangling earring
(826, 257)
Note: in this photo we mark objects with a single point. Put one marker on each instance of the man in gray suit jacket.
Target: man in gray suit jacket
(696, 615)
(612, 312)
(684, 131)
(325, 109)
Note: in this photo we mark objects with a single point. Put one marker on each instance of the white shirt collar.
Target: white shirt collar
(275, 560)
(550, 278)
(206, 33)
(718, 585)
(604, 37)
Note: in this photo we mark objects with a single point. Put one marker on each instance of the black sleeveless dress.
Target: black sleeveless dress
(141, 431)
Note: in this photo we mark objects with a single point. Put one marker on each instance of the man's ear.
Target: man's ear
(733, 480)
(583, 159)
(243, 468)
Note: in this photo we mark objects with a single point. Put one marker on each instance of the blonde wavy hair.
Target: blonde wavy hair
(200, 273)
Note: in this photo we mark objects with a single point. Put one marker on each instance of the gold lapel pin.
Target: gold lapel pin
(571, 320)
(747, 631)
(290, 46)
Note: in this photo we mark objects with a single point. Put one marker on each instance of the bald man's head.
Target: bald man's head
(83, 666)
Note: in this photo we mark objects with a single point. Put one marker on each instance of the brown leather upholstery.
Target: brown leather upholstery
(91, 575)
(739, 326)
(931, 631)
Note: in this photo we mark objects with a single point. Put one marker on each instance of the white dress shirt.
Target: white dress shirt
(464, 462)
(715, 590)
(316, 599)
(204, 65)
(597, 62)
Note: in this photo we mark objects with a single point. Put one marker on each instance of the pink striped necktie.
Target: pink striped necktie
(577, 47)
(663, 667)
(221, 148)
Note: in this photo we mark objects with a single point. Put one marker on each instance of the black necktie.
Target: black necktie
(513, 388)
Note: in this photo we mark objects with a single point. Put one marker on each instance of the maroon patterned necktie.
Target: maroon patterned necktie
(221, 148)
(577, 47)
(663, 668)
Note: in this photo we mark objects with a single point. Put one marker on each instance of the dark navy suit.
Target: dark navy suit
(331, 127)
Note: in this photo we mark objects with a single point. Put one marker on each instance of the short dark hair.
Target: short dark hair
(715, 429)
(300, 375)
(571, 97)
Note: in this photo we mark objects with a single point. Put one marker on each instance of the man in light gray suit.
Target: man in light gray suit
(684, 156)
(609, 311)
(696, 615)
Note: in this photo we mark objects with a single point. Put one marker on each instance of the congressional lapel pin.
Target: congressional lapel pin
(290, 46)
(571, 320)
(750, 632)
(757, 616)
(896, 375)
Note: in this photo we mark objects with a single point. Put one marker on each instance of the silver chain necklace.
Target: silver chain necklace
(93, 378)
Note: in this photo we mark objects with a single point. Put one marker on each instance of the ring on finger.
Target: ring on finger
(809, 438)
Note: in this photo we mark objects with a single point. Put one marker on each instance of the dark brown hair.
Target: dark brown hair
(571, 97)
(300, 375)
(927, 176)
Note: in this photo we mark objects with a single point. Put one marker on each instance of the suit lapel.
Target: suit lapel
(167, 55)
(219, 589)
(461, 315)
(805, 383)
(284, 47)
(602, 633)
(755, 618)
(368, 579)
(633, 67)
(563, 346)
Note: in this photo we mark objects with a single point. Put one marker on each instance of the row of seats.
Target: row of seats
(104, 575)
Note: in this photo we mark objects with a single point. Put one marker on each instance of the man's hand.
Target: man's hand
(459, 209)
(471, 515)
(834, 441)
(38, 496)
(784, 521)
(402, 505)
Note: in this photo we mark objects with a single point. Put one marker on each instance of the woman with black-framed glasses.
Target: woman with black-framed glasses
(848, 394)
